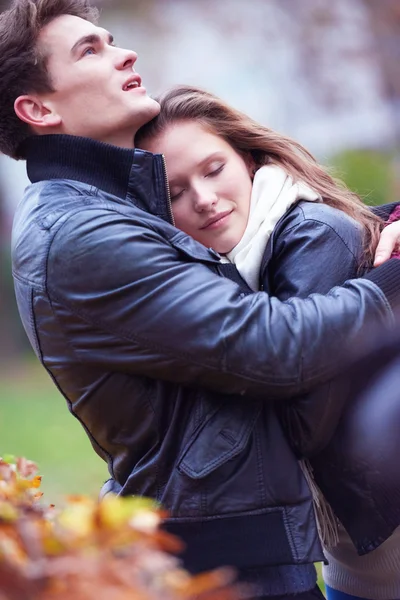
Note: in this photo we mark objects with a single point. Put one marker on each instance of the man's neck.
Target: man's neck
(123, 140)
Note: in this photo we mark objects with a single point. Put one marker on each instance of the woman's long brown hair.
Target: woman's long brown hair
(266, 146)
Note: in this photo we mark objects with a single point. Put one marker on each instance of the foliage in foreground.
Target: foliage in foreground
(108, 550)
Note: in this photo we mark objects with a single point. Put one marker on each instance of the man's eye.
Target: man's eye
(89, 51)
(215, 171)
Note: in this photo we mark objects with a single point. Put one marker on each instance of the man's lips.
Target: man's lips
(216, 220)
(132, 83)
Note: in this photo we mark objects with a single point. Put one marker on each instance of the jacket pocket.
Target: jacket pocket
(220, 439)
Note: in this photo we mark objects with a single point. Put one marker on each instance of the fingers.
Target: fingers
(390, 238)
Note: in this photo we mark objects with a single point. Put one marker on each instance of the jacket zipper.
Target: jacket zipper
(169, 203)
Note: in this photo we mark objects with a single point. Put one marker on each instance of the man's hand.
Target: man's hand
(389, 241)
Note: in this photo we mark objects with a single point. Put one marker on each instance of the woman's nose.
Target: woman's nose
(205, 199)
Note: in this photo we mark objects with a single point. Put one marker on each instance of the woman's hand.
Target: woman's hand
(389, 241)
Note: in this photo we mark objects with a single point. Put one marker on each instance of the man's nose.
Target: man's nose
(126, 59)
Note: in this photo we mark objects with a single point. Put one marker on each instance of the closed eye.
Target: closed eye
(215, 171)
(176, 196)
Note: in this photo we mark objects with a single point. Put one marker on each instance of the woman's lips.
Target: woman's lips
(216, 221)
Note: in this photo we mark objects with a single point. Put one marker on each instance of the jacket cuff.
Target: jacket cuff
(387, 278)
(384, 210)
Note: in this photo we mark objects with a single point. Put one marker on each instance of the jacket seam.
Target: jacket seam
(259, 459)
(289, 534)
(33, 324)
(34, 285)
(321, 223)
(105, 206)
(138, 339)
(279, 508)
(69, 403)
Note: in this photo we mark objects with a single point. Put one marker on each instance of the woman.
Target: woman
(262, 201)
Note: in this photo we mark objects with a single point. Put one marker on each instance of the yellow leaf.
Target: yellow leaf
(36, 481)
(78, 517)
(114, 511)
(8, 512)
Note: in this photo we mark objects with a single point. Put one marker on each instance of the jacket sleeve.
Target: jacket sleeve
(128, 300)
(312, 256)
(384, 210)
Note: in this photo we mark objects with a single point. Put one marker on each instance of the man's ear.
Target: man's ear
(38, 113)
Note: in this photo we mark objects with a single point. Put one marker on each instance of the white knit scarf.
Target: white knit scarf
(274, 192)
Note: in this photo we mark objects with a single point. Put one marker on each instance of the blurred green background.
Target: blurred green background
(35, 423)
(292, 66)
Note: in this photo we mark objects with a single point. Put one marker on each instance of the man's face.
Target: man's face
(97, 92)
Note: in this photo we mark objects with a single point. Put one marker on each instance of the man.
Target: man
(157, 355)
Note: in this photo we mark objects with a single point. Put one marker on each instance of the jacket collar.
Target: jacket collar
(135, 175)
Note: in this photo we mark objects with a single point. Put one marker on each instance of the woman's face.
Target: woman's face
(210, 184)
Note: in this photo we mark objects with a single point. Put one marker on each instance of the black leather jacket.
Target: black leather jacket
(312, 249)
(358, 470)
(348, 428)
(170, 368)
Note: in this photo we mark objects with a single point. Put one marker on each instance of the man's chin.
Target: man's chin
(155, 107)
(152, 110)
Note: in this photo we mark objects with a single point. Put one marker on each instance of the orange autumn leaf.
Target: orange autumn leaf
(36, 481)
(109, 550)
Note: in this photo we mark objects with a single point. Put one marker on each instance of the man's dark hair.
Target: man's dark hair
(23, 68)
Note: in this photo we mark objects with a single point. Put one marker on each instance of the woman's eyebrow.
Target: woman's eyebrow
(209, 157)
(201, 163)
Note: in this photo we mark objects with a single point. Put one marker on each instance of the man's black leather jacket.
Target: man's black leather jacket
(171, 368)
